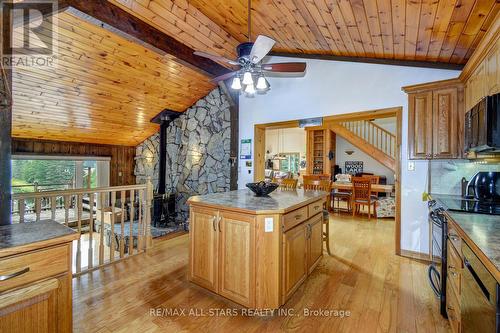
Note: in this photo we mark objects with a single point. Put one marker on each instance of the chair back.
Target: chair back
(286, 184)
(361, 188)
(373, 180)
(316, 185)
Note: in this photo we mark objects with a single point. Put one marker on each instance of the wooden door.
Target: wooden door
(315, 242)
(203, 255)
(445, 123)
(294, 259)
(32, 309)
(420, 125)
(237, 257)
(493, 69)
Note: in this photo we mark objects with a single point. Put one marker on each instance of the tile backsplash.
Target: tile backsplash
(446, 175)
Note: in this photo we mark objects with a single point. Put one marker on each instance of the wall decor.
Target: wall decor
(246, 149)
(353, 167)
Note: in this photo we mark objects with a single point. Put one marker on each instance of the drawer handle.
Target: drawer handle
(298, 217)
(13, 275)
(316, 207)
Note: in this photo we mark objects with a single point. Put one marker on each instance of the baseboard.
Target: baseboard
(415, 255)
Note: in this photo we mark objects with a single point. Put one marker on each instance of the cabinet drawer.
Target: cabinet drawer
(36, 265)
(315, 208)
(294, 218)
(453, 308)
(454, 269)
(454, 237)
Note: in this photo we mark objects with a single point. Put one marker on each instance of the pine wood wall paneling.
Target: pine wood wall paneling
(122, 157)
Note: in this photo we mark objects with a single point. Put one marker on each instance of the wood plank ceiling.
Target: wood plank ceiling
(444, 31)
(104, 88)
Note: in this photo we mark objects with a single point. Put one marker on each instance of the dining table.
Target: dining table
(386, 188)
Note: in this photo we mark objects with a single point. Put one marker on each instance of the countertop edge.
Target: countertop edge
(190, 202)
(6, 252)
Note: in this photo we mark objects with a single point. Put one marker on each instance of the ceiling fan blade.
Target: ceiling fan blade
(223, 77)
(287, 67)
(215, 57)
(261, 48)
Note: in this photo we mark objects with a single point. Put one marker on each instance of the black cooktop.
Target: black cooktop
(472, 206)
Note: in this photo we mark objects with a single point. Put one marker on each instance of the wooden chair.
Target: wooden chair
(373, 180)
(341, 195)
(361, 195)
(322, 185)
(286, 184)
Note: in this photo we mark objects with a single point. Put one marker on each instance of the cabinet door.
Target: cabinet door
(493, 70)
(445, 123)
(31, 309)
(420, 125)
(294, 259)
(237, 257)
(203, 253)
(315, 242)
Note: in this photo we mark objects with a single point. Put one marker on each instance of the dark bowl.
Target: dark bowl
(261, 189)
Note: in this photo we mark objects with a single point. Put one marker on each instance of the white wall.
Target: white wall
(370, 165)
(330, 88)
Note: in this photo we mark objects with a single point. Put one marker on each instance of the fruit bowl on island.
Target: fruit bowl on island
(262, 189)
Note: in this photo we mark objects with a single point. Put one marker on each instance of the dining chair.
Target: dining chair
(361, 196)
(339, 195)
(322, 185)
(287, 184)
(373, 180)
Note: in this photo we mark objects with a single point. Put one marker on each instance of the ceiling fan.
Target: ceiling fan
(250, 55)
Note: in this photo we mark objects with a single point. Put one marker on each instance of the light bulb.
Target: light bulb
(247, 78)
(261, 83)
(250, 89)
(236, 83)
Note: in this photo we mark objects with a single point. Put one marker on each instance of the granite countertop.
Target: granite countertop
(278, 202)
(482, 229)
(21, 234)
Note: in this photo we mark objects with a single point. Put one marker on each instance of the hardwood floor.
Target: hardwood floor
(382, 292)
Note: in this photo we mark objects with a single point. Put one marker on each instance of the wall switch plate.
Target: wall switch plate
(268, 224)
(411, 166)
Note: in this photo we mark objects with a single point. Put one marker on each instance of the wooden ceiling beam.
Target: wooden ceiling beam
(381, 61)
(114, 19)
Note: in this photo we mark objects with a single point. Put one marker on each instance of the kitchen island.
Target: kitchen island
(255, 251)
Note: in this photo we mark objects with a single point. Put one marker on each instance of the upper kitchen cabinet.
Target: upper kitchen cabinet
(435, 119)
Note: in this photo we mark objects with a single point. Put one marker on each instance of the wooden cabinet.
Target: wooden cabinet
(236, 257)
(257, 259)
(454, 277)
(320, 142)
(221, 252)
(204, 241)
(295, 271)
(35, 291)
(435, 120)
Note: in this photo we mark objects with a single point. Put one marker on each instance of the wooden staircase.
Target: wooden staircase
(370, 138)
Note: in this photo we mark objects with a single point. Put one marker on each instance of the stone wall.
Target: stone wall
(198, 146)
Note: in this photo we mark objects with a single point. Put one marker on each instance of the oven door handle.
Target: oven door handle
(477, 279)
(430, 271)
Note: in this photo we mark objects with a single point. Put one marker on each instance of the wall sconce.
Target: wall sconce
(349, 152)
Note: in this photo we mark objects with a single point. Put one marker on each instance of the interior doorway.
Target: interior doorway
(387, 152)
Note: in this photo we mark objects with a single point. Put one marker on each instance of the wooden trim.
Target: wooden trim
(259, 136)
(421, 87)
(484, 47)
(119, 21)
(259, 139)
(367, 114)
(380, 61)
(415, 255)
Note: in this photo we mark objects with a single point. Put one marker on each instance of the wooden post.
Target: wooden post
(149, 201)
(5, 141)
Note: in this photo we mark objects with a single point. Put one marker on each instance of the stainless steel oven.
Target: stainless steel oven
(479, 300)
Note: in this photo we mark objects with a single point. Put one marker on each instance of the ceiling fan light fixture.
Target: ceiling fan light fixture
(236, 85)
(262, 83)
(247, 78)
(250, 89)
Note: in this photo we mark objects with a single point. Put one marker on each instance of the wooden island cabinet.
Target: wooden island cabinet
(255, 251)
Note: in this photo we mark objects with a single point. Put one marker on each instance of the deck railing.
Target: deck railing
(113, 222)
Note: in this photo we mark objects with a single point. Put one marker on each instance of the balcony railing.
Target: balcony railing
(114, 222)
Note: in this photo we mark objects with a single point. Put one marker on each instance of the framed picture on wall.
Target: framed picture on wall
(353, 167)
